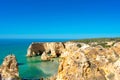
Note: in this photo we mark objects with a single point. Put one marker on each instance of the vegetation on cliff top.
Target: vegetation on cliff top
(99, 41)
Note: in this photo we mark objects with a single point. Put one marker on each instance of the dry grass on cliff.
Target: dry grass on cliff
(99, 41)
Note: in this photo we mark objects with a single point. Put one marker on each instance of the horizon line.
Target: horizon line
(58, 36)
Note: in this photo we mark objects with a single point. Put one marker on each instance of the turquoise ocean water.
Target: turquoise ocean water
(29, 67)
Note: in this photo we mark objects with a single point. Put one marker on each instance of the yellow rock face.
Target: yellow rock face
(90, 63)
(9, 68)
(53, 48)
(80, 61)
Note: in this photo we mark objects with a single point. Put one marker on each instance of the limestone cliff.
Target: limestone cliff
(80, 61)
(89, 63)
(9, 68)
(52, 48)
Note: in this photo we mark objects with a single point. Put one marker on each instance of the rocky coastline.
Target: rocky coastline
(81, 61)
(77, 60)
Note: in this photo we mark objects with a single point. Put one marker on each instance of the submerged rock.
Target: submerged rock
(9, 68)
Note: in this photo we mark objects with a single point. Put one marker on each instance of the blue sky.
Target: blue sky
(59, 18)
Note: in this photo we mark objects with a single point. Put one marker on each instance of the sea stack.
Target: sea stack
(9, 68)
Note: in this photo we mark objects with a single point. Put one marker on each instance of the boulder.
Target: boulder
(45, 56)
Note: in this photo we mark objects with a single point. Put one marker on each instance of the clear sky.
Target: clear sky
(59, 18)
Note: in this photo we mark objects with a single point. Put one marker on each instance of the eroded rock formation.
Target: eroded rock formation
(9, 68)
(89, 63)
(44, 56)
(80, 61)
(53, 48)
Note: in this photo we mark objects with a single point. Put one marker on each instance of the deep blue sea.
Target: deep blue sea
(29, 67)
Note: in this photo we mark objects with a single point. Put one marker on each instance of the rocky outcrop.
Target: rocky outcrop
(35, 49)
(73, 66)
(44, 56)
(80, 61)
(86, 62)
(116, 48)
(116, 69)
(9, 68)
(56, 48)
(53, 48)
